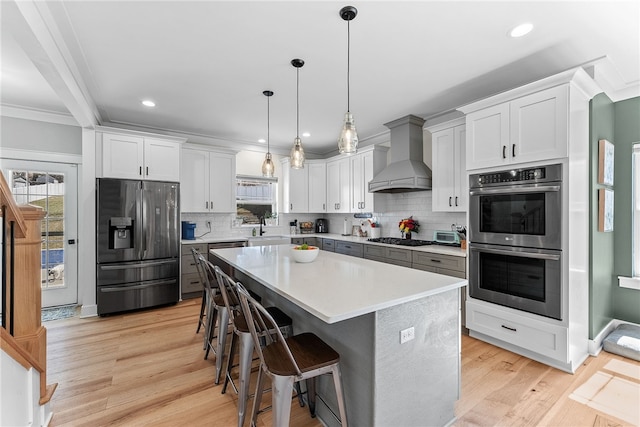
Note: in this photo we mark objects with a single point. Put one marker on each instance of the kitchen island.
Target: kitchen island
(359, 307)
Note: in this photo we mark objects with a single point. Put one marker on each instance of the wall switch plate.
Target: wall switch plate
(407, 335)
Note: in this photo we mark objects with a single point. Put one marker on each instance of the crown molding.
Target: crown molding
(18, 112)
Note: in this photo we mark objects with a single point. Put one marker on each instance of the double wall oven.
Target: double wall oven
(515, 239)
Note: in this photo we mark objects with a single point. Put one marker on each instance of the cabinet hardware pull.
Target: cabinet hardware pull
(291, 206)
(436, 260)
(504, 151)
(511, 329)
(206, 205)
(147, 170)
(449, 200)
(456, 200)
(193, 263)
(323, 208)
(140, 170)
(513, 150)
(193, 282)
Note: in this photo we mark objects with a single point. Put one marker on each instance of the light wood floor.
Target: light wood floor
(147, 368)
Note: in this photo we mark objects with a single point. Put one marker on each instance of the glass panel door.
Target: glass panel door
(53, 187)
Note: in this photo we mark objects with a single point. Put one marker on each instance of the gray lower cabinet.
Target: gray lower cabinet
(190, 286)
(390, 255)
(328, 245)
(313, 241)
(443, 264)
(348, 248)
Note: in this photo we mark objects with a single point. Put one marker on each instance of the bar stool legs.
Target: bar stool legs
(223, 322)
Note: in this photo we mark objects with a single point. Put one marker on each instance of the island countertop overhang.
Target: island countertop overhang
(335, 287)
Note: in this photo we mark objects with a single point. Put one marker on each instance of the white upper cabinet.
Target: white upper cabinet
(317, 186)
(364, 166)
(528, 128)
(129, 156)
(295, 184)
(208, 181)
(450, 186)
(338, 186)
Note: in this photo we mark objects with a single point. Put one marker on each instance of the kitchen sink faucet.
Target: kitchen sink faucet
(262, 222)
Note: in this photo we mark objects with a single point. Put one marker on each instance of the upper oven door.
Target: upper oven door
(527, 215)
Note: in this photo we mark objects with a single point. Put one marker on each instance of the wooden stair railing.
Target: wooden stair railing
(21, 283)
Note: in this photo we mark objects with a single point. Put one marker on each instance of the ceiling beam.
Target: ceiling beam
(39, 36)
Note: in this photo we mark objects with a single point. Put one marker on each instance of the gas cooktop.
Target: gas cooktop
(410, 242)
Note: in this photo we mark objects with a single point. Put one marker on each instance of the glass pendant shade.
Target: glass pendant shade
(348, 142)
(297, 154)
(267, 166)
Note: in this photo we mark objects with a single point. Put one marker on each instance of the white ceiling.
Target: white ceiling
(206, 63)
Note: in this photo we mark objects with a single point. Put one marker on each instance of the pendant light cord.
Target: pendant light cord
(297, 102)
(348, 62)
(268, 124)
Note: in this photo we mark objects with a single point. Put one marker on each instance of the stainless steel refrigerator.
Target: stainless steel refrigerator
(137, 244)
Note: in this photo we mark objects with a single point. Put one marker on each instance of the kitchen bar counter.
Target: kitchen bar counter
(359, 307)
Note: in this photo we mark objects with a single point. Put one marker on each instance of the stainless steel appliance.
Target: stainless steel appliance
(137, 245)
(515, 239)
(322, 226)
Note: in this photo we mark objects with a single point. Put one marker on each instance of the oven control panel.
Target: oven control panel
(517, 176)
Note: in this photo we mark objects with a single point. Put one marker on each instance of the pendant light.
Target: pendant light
(297, 152)
(348, 141)
(267, 165)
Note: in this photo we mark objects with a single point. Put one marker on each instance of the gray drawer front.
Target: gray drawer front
(439, 261)
(373, 252)
(297, 240)
(328, 245)
(348, 248)
(190, 283)
(188, 265)
(200, 247)
(403, 255)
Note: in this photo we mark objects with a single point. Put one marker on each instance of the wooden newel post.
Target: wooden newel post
(27, 297)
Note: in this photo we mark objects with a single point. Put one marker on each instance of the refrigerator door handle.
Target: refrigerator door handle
(130, 266)
(140, 286)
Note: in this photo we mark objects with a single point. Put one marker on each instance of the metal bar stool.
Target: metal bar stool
(207, 309)
(242, 338)
(287, 361)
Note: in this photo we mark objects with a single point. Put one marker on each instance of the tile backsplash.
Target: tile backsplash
(391, 208)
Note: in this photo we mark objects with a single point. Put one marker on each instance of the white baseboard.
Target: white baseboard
(595, 345)
(89, 310)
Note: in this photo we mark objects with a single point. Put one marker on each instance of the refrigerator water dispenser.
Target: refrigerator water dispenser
(120, 233)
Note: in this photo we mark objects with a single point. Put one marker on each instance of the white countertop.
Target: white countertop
(445, 250)
(336, 287)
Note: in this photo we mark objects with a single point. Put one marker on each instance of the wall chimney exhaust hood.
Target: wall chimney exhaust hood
(406, 171)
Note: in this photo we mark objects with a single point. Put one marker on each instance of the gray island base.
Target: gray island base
(386, 383)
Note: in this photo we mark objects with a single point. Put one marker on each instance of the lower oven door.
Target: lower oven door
(521, 278)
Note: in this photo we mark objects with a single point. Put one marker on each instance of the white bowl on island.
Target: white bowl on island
(304, 253)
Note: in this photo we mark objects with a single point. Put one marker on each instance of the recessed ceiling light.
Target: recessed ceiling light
(148, 103)
(521, 30)
(306, 134)
(262, 140)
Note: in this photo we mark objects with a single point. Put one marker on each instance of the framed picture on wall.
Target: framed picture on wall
(605, 210)
(605, 162)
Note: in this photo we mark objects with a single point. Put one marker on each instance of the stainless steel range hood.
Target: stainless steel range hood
(406, 170)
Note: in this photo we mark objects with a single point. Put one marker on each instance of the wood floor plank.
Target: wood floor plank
(147, 368)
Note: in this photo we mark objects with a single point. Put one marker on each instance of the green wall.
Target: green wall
(601, 253)
(610, 253)
(626, 302)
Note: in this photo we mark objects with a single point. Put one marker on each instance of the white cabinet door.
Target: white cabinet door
(317, 186)
(194, 181)
(539, 126)
(488, 137)
(461, 185)
(162, 160)
(299, 190)
(222, 183)
(450, 188)
(122, 156)
(443, 155)
(338, 186)
(361, 174)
